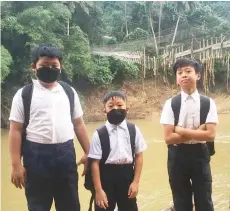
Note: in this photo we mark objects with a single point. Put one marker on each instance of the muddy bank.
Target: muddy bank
(145, 102)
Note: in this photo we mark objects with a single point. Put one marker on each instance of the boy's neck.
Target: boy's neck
(48, 85)
(189, 91)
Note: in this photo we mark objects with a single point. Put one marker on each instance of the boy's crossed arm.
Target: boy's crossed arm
(178, 135)
(205, 132)
(171, 137)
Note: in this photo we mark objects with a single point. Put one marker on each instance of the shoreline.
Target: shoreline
(144, 102)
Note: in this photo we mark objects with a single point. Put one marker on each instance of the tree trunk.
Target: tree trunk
(126, 24)
(154, 36)
(159, 29)
(68, 27)
(174, 36)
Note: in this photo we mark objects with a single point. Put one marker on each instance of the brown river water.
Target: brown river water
(154, 192)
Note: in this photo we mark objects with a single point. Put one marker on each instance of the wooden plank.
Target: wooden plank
(203, 45)
(212, 48)
(228, 72)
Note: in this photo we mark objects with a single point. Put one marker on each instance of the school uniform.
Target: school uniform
(48, 151)
(189, 163)
(117, 173)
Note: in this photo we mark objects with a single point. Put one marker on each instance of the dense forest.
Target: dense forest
(75, 27)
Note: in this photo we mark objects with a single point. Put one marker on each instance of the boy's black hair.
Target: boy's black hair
(113, 94)
(187, 62)
(48, 50)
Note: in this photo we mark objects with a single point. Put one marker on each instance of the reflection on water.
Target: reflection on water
(154, 193)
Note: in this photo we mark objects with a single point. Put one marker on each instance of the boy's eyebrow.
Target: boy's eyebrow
(47, 63)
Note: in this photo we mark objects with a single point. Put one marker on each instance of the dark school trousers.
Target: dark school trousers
(51, 175)
(189, 173)
(115, 180)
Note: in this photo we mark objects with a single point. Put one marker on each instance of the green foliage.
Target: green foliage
(109, 69)
(138, 33)
(220, 71)
(77, 55)
(210, 23)
(45, 24)
(123, 70)
(6, 61)
(109, 40)
(101, 73)
(74, 26)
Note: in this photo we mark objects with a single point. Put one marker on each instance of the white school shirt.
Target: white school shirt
(189, 113)
(50, 121)
(121, 152)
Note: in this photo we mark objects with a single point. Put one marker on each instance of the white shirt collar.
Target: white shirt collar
(110, 127)
(38, 84)
(195, 96)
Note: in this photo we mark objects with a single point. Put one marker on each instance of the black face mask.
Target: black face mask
(116, 116)
(47, 74)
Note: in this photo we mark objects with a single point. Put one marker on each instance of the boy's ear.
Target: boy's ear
(198, 76)
(127, 109)
(33, 67)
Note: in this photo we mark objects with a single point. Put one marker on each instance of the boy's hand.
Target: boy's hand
(101, 199)
(84, 160)
(18, 176)
(133, 190)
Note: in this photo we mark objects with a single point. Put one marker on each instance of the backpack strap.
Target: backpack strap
(26, 95)
(105, 143)
(204, 108)
(70, 94)
(132, 134)
(27, 92)
(176, 105)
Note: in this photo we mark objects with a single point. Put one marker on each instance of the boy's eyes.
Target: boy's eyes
(187, 71)
(111, 106)
(45, 65)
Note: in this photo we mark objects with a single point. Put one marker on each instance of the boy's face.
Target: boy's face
(187, 77)
(47, 70)
(115, 103)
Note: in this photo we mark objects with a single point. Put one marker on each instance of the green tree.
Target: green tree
(77, 55)
(182, 7)
(6, 62)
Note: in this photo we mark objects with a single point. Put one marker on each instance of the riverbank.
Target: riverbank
(144, 101)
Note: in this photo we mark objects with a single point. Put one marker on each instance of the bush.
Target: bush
(6, 61)
(109, 40)
(123, 70)
(112, 41)
(138, 33)
(77, 54)
(100, 73)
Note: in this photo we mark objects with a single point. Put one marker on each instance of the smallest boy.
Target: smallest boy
(117, 157)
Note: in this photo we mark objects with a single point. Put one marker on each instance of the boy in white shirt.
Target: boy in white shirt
(117, 157)
(44, 117)
(188, 153)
